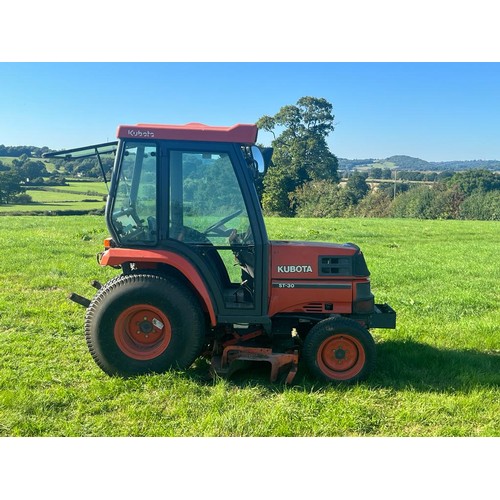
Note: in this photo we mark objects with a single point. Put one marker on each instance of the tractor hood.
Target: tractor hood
(313, 260)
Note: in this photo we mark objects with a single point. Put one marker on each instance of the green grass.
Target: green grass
(7, 160)
(438, 373)
(82, 187)
(81, 196)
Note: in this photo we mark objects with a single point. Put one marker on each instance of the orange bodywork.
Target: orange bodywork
(119, 256)
(296, 284)
(239, 134)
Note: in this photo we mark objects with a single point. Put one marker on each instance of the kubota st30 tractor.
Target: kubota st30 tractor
(199, 275)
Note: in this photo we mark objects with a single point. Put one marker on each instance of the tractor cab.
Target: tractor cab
(190, 190)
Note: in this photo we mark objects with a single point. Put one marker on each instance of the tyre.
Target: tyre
(142, 323)
(339, 350)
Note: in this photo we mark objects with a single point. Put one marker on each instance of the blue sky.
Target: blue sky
(416, 78)
(434, 111)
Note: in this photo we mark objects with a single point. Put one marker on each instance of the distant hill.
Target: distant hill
(467, 164)
(16, 151)
(403, 162)
(409, 163)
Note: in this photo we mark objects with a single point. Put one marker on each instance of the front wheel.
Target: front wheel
(141, 323)
(339, 350)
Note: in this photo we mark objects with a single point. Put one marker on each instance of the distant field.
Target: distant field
(7, 160)
(385, 164)
(438, 373)
(82, 196)
(82, 187)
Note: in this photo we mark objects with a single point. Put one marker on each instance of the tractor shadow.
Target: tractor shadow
(421, 367)
(401, 365)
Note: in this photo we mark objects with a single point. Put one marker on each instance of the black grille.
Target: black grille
(313, 307)
(335, 266)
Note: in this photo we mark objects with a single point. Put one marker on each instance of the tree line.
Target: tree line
(27, 170)
(304, 179)
(15, 177)
(465, 195)
(16, 151)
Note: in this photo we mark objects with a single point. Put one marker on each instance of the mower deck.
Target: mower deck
(236, 357)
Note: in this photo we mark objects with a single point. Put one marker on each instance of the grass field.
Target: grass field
(80, 196)
(88, 188)
(438, 373)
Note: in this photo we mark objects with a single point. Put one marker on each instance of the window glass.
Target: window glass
(134, 208)
(207, 211)
(206, 201)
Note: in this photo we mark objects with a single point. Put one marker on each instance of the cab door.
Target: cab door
(213, 211)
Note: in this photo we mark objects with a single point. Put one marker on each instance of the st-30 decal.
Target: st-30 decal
(277, 284)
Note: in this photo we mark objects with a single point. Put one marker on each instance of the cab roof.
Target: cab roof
(239, 133)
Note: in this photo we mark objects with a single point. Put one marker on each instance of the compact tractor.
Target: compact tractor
(199, 275)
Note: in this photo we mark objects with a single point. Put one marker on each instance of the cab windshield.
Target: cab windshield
(134, 207)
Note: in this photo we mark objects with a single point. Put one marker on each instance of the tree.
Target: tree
(9, 186)
(471, 181)
(320, 198)
(386, 173)
(301, 153)
(376, 173)
(426, 202)
(28, 168)
(356, 187)
(481, 206)
(278, 184)
(32, 169)
(376, 203)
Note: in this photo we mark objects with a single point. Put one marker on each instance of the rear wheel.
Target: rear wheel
(140, 323)
(339, 350)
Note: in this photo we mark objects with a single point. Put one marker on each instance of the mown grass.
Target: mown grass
(438, 373)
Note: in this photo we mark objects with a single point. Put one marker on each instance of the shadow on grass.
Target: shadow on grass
(401, 365)
(408, 364)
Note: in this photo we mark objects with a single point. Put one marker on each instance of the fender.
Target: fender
(118, 256)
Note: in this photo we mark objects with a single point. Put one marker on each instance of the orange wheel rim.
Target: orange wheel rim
(341, 357)
(142, 332)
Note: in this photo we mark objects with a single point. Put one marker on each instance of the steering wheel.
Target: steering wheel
(132, 233)
(128, 211)
(215, 227)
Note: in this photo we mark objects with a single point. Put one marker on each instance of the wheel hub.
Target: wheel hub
(340, 353)
(145, 327)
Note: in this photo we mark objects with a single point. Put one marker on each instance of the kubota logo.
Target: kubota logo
(295, 269)
(140, 133)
